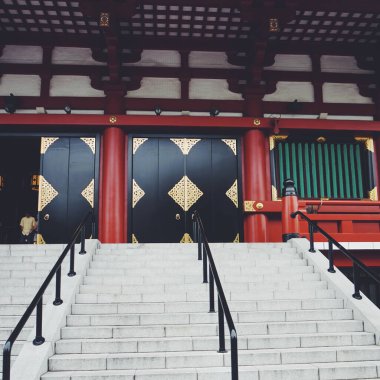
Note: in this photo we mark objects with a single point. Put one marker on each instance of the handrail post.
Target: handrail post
(211, 287)
(234, 356)
(311, 232)
(199, 245)
(83, 240)
(7, 361)
(58, 301)
(72, 273)
(331, 258)
(93, 226)
(356, 278)
(39, 339)
(222, 343)
(195, 234)
(204, 263)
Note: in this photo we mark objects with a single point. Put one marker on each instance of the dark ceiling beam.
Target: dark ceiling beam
(190, 44)
(200, 105)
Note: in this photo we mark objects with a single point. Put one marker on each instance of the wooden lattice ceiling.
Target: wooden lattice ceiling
(168, 23)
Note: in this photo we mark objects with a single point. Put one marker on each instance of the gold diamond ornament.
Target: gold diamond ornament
(47, 193)
(232, 193)
(88, 193)
(185, 193)
(137, 193)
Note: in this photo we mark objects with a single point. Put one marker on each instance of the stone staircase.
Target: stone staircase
(142, 313)
(22, 271)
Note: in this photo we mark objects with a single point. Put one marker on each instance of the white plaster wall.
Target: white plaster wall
(289, 91)
(158, 58)
(291, 62)
(21, 54)
(71, 85)
(340, 64)
(211, 89)
(73, 56)
(207, 59)
(20, 85)
(343, 93)
(167, 88)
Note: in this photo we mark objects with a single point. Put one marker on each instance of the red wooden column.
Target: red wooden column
(112, 218)
(256, 177)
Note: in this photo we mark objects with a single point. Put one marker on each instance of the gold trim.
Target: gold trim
(256, 122)
(274, 194)
(90, 142)
(372, 194)
(259, 206)
(134, 239)
(232, 193)
(88, 193)
(113, 119)
(137, 142)
(249, 206)
(274, 138)
(237, 238)
(137, 193)
(185, 144)
(231, 143)
(46, 142)
(46, 194)
(186, 238)
(368, 143)
(40, 239)
(321, 139)
(185, 193)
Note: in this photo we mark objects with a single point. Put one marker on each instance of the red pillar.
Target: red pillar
(112, 218)
(256, 177)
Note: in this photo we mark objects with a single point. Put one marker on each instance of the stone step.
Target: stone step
(316, 371)
(256, 342)
(11, 321)
(207, 329)
(198, 359)
(192, 279)
(193, 307)
(168, 288)
(202, 294)
(182, 318)
(6, 331)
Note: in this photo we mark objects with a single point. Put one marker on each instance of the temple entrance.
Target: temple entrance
(19, 170)
(172, 177)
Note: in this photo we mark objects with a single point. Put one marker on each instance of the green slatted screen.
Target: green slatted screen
(322, 170)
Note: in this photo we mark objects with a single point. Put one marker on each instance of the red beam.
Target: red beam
(186, 121)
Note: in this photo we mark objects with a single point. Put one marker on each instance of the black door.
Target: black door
(172, 177)
(67, 186)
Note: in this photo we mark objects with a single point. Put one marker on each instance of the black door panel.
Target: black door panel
(172, 177)
(67, 186)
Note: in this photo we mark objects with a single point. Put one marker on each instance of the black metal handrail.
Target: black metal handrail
(37, 300)
(199, 236)
(356, 263)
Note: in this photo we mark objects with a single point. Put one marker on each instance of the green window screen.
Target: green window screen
(322, 170)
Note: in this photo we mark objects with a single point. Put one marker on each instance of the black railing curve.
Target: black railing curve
(356, 263)
(199, 236)
(37, 300)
